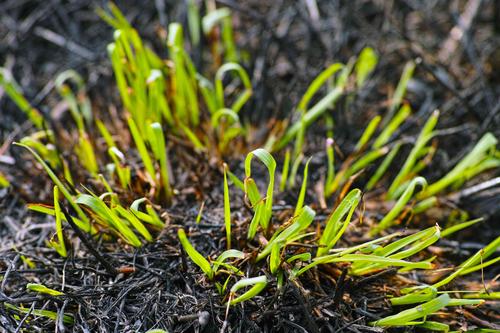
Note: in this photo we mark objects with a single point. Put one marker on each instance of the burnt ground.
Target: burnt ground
(285, 46)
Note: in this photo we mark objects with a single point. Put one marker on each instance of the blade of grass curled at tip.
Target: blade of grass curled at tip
(474, 260)
(195, 256)
(393, 125)
(14, 92)
(103, 212)
(306, 256)
(227, 209)
(226, 255)
(382, 169)
(300, 224)
(40, 288)
(368, 133)
(219, 87)
(335, 227)
(224, 113)
(365, 64)
(457, 227)
(400, 91)
(425, 135)
(284, 172)
(66, 318)
(420, 311)
(487, 142)
(303, 189)
(64, 190)
(270, 164)
(212, 18)
(398, 207)
(257, 283)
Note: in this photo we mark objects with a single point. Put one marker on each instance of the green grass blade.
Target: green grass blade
(335, 227)
(303, 189)
(195, 256)
(227, 209)
(487, 142)
(368, 133)
(366, 63)
(389, 218)
(423, 310)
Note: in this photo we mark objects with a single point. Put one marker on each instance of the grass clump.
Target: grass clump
(268, 247)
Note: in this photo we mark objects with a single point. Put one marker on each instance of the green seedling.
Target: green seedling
(40, 288)
(262, 206)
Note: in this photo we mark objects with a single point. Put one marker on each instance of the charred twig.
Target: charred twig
(109, 268)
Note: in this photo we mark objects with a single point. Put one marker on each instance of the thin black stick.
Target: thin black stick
(109, 268)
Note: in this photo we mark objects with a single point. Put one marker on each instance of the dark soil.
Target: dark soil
(286, 46)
